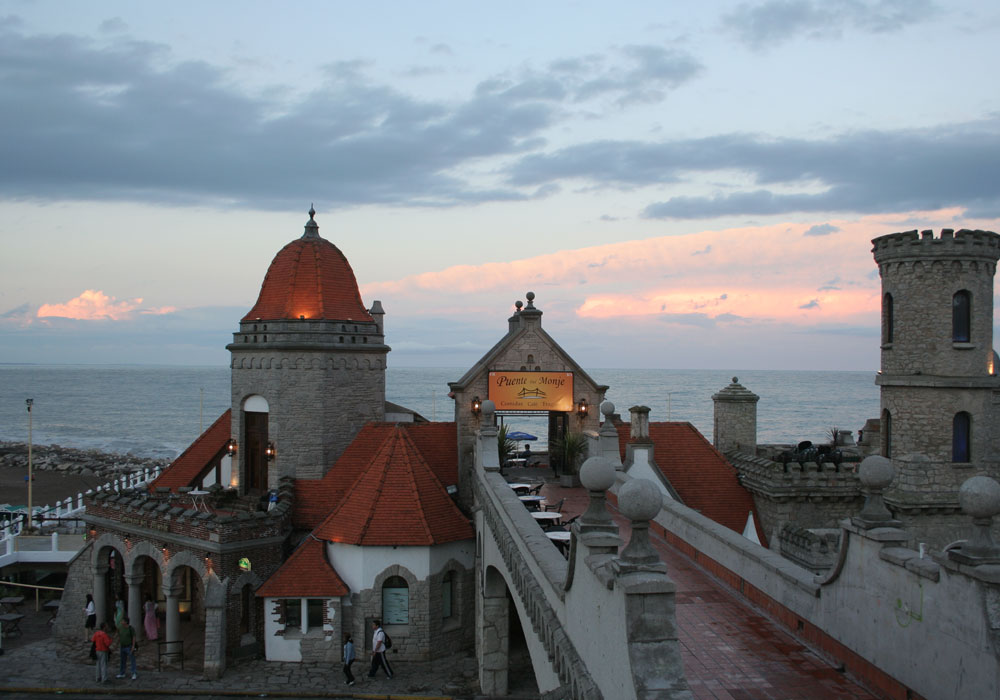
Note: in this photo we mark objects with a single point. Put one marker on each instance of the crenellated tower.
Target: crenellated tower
(938, 378)
(308, 365)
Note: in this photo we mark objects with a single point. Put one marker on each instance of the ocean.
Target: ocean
(157, 411)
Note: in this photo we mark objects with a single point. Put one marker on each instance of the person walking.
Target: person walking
(348, 659)
(127, 644)
(378, 651)
(149, 621)
(102, 644)
(90, 610)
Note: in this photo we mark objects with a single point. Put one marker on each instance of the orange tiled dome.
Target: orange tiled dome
(309, 278)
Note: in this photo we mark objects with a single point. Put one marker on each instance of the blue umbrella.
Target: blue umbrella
(518, 435)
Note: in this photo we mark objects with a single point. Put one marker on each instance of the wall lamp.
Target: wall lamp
(477, 406)
(582, 407)
(270, 451)
(231, 447)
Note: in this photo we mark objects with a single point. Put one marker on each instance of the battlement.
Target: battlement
(951, 244)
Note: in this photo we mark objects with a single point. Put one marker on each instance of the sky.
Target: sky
(682, 185)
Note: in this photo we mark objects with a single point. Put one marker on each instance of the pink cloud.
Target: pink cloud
(93, 304)
(778, 272)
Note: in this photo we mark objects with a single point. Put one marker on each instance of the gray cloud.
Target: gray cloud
(865, 172)
(107, 122)
(821, 230)
(121, 120)
(704, 251)
(774, 22)
(813, 304)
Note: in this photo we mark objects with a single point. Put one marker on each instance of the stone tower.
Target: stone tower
(735, 419)
(938, 380)
(308, 365)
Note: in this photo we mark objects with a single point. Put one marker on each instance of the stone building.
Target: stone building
(299, 515)
(938, 382)
(939, 391)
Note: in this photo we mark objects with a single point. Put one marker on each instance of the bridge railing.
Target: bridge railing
(538, 573)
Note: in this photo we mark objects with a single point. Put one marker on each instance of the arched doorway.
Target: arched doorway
(184, 602)
(115, 587)
(255, 440)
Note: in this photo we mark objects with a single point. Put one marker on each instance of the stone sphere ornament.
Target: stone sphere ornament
(876, 472)
(640, 499)
(488, 407)
(597, 474)
(607, 408)
(980, 497)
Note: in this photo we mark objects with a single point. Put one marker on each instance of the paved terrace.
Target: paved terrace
(730, 652)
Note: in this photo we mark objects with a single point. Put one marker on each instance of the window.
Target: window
(447, 590)
(887, 318)
(961, 317)
(293, 613)
(395, 601)
(886, 428)
(961, 432)
(314, 612)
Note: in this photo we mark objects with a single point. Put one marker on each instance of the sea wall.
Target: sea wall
(69, 460)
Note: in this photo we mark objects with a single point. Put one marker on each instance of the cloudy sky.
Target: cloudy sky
(681, 188)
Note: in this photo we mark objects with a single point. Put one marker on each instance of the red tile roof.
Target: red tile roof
(701, 475)
(306, 574)
(309, 277)
(195, 459)
(315, 498)
(396, 500)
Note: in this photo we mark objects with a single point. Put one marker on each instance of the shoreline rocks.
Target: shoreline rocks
(69, 460)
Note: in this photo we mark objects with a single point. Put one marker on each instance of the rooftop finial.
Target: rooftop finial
(312, 228)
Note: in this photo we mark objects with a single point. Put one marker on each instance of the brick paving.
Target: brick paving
(730, 651)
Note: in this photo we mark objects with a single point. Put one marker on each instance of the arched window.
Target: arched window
(447, 594)
(395, 601)
(886, 429)
(887, 318)
(961, 434)
(961, 317)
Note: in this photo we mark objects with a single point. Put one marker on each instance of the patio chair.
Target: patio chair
(567, 523)
(554, 507)
(534, 491)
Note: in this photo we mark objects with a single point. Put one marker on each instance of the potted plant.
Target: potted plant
(505, 446)
(572, 449)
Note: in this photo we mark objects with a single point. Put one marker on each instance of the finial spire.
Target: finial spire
(312, 228)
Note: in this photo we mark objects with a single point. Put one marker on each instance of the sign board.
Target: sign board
(532, 391)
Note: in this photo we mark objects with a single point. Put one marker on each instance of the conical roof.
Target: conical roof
(309, 278)
(396, 501)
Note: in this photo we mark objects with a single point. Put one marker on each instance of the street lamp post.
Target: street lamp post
(30, 477)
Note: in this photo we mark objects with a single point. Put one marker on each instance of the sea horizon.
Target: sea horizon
(155, 410)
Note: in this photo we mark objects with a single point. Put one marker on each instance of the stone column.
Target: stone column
(134, 582)
(215, 627)
(486, 444)
(608, 436)
(100, 592)
(654, 652)
(172, 592)
(494, 645)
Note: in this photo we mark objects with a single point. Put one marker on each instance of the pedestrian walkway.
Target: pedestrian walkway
(730, 651)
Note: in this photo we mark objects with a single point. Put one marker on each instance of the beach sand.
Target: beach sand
(48, 487)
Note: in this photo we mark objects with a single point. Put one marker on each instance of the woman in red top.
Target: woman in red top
(102, 645)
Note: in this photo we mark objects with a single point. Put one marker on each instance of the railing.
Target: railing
(164, 651)
(38, 590)
(69, 509)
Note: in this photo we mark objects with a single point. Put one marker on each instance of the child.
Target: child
(348, 658)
